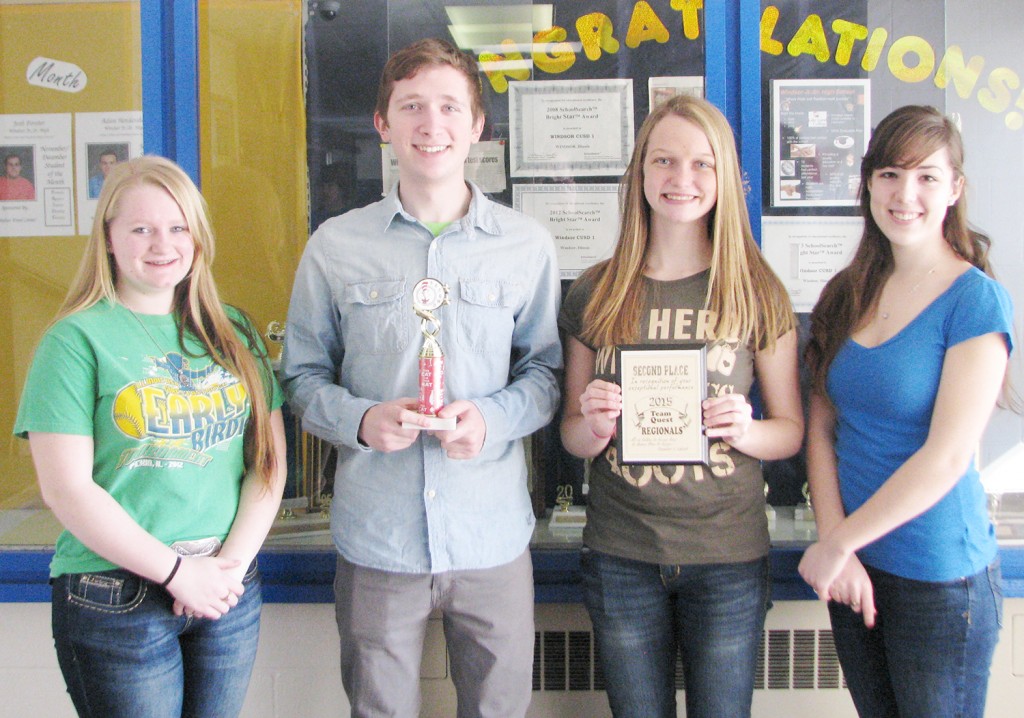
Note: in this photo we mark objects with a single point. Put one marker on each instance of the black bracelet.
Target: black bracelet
(177, 565)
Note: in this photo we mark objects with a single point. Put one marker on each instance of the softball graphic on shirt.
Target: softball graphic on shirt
(179, 413)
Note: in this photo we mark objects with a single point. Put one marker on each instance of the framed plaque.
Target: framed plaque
(662, 391)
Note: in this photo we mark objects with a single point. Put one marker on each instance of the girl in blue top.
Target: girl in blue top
(908, 352)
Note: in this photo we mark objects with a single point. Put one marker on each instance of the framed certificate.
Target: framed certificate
(662, 391)
(570, 128)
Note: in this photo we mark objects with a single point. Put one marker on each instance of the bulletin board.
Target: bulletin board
(70, 83)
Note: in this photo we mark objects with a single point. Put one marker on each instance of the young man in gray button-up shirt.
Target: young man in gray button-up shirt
(424, 519)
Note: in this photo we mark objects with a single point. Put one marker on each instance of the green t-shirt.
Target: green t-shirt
(167, 427)
(676, 514)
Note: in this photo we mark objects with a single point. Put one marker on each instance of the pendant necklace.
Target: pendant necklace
(163, 352)
(913, 289)
(165, 356)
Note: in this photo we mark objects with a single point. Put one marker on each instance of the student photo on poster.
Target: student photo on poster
(16, 181)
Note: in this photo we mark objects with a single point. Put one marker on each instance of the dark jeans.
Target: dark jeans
(124, 654)
(643, 614)
(930, 651)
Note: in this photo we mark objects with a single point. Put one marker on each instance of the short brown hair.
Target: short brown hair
(432, 51)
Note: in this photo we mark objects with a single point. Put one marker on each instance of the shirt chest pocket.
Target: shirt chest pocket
(375, 316)
(487, 316)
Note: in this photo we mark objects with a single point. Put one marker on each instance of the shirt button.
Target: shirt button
(492, 297)
(431, 494)
(373, 294)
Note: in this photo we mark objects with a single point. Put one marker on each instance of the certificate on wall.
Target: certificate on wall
(662, 392)
(36, 180)
(820, 133)
(583, 220)
(102, 140)
(570, 128)
(485, 166)
(806, 251)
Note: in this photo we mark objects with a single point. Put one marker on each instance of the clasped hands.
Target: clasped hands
(839, 576)
(206, 586)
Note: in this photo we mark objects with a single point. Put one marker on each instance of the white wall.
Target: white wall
(296, 673)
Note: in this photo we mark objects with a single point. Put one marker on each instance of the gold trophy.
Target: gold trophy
(275, 335)
(428, 295)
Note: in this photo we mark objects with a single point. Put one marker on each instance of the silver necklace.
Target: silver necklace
(163, 352)
(165, 361)
(913, 289)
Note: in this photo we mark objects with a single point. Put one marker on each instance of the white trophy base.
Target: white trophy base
(434, 423)
(572, 517)
(803, 513)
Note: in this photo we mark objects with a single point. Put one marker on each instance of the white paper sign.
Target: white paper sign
(806, 251)
(36, 182)
(564, 128)
(56, 75)
(582, 219)
(102, 139)
(485, 166)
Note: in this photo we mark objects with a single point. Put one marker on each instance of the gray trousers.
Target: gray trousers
(487, 616)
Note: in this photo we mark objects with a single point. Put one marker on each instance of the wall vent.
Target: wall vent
(800, 659)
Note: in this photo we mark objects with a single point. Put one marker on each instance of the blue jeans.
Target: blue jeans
(644, 614)
(124, 654)
(930, 651)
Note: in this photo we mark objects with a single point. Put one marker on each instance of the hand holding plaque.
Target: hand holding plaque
(428, 295)
(663, 388)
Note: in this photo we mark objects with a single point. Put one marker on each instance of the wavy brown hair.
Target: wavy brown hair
(904, 139)
(749, 300)
(430, 52)
(197, 308)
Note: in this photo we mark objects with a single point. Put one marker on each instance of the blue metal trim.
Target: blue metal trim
(157, 122)
(307, 576)
(749, 128)
(716, 66)
(732, 52)
(170, 81)
(185, 49)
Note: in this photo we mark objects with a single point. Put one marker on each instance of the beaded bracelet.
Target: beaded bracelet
(177, 565)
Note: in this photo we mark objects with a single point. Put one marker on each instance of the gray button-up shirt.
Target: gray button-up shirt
(352, 341)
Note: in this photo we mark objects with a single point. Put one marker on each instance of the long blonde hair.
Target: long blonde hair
(197, 307)
(748, 299)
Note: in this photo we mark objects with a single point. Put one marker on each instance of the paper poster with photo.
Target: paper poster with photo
(660, 89)
(36, 183)
(805, 252)
(583, 220)
(820, 133)
(562, 128)
(102, 139)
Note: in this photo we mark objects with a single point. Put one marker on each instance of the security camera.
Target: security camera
(329, 9)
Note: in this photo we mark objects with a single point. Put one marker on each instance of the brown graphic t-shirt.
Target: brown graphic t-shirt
(676, 514)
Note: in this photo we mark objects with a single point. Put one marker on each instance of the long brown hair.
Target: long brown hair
(748, 299)
(903, 139)
(197, 308)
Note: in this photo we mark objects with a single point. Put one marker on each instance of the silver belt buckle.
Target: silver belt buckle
(197, 547)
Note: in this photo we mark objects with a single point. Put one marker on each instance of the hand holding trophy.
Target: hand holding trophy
(428, 295)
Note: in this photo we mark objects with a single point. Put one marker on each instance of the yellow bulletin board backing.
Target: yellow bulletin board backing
(102, 39)
(253, 148)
